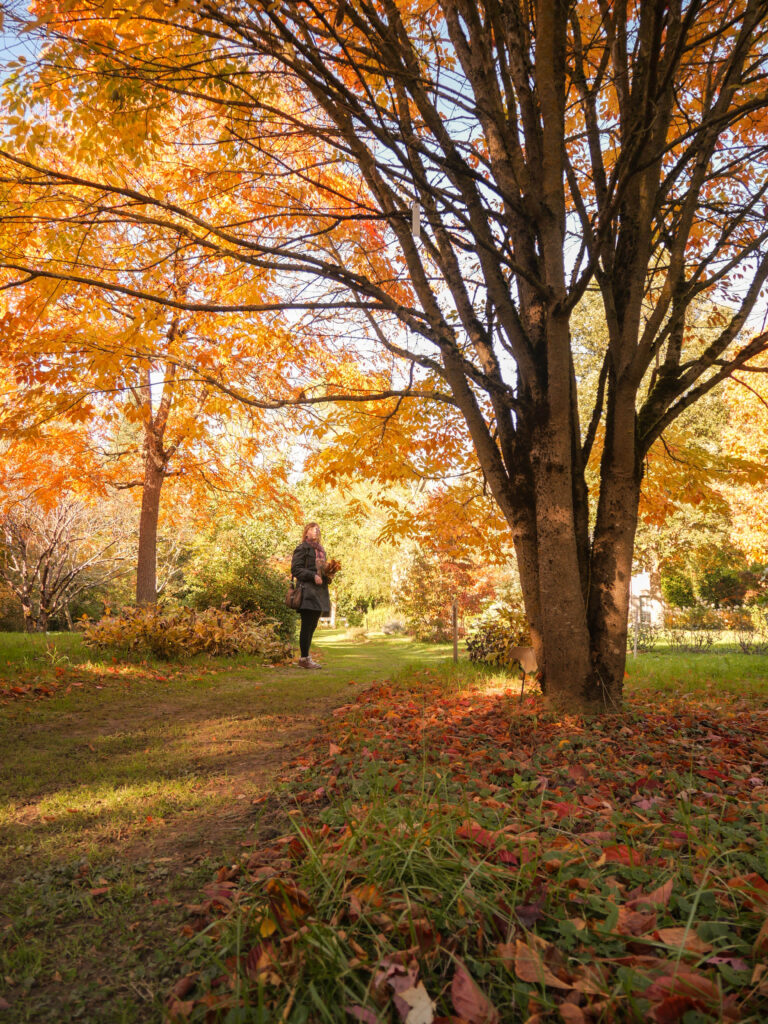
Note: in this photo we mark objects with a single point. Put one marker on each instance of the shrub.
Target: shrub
(493, 636)
(384, 618)
(171, 633)
(693, 630)
(427, 584)
(647, 637)
(235, 570)
(422, 597)
(751, 628)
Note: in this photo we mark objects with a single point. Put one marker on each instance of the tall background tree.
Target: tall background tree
(453, 177)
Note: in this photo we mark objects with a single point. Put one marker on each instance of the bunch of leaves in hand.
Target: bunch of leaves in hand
(330, 569)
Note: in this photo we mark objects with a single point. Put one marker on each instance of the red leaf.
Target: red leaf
(360, 1013)
(471, 830)
(633, 922)
(621, 854)
(691, 985)
(571, 1013)
(658, 898)
(754, 887)
(529, 913)
(185, 985)
(671, 1009)
(468, 1001)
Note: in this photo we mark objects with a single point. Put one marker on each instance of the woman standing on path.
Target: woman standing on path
(307, 567)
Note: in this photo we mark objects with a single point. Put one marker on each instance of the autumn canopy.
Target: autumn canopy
(399, 206)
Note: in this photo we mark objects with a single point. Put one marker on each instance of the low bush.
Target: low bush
(693, 630)
(751, 628)
(493, 636)
(689, 641)
(384, 618)
(647, 637)
(172, 633)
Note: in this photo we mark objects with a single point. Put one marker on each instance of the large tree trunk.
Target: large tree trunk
(578, 616)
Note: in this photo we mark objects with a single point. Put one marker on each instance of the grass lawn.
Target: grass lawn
(124, 787)
(243, 843)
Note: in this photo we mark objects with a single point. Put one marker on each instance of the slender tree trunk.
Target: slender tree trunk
(146, 569)
(28, 620)
(567, 674)
(155, 469)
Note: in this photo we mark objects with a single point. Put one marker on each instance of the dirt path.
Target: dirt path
(241, 773)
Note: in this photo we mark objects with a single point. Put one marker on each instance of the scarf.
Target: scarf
(320, 556)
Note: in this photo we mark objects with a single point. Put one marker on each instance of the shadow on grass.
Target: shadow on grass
(127, 750)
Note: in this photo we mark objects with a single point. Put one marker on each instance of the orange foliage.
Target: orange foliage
(746, 435)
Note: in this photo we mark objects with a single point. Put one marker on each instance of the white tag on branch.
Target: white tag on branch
(422, 1009)
(416, 219)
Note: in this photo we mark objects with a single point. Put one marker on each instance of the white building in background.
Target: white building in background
(645, 607)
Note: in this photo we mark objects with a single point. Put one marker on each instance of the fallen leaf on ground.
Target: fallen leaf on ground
(530, 967)
(468, 1001)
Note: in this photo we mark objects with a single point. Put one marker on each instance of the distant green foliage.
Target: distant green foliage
(171, 633)
(235, 567)
(496, 633)
(11, 617)
(677, 588)
(351, 523)
(719, 576)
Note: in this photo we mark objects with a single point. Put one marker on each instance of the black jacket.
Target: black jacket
(303, 568)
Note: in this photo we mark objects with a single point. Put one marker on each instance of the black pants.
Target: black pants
(309, 621)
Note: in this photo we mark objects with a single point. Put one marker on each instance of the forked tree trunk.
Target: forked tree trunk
(576, 587)
(580, 644)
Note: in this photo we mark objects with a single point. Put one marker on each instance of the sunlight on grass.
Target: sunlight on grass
(79, 806)
(712, 672)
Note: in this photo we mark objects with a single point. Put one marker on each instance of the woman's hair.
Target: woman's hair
(307, 528)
